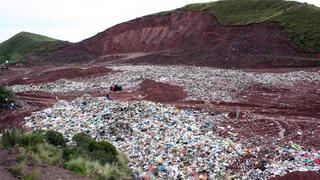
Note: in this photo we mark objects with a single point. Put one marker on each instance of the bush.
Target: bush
(77, 165)
(102, 145)
(96, 170)
(103, 151)
(16, 171)
(12, 137)
(48, 154)
(103, 157)
(9, 138)
(73, 153)
(55, 138)
(39, 132)
(5, 94)
(34, 175)
(88, 157)
(30, 140)
(82, 140)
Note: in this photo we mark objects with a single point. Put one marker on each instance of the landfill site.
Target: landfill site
(184, 121)
(224, 90)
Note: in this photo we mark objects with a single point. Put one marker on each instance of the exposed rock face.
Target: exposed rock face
(185, 29)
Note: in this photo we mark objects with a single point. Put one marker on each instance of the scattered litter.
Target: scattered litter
(201, 83)
(296, 147)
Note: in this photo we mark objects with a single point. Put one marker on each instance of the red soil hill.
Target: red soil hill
(187, 37)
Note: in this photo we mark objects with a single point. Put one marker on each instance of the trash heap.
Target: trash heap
(280, 161)
(159, 139)
(200, 83)
(294, 158)
(162, 141)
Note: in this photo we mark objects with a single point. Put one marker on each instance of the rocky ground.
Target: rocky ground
(264, 114)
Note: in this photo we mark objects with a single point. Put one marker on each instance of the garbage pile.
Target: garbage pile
(162, 141)
(200, 83)
(279, 161)
(156, 137)
(293, 158)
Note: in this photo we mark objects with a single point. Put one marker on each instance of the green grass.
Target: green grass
(300, 20)
(23, 44)
(48, 154)
(97, 170)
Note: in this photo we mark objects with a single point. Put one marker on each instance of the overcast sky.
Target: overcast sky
(75, 20)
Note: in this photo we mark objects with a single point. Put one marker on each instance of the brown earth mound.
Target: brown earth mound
(161, 92)
(299, 176)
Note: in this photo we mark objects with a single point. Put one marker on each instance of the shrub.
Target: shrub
(81, 138)
(30, 140)
(88, 157)
(48, 154)
(122, 161)
(16, 171)
(103, 157)
(9, 138)
(102, 145)
(77, 165)
(55, 138)
(73, 153)
(34, 175)
(111, 172)
(5, 94)
(95, 169)
(22, 155)
(39, 132)
(103, 151)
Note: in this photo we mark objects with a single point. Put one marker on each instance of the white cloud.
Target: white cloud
(75, 20)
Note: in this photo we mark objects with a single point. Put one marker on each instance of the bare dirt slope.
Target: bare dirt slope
(200, 38)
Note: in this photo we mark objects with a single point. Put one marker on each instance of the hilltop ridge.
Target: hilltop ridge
(18, 47)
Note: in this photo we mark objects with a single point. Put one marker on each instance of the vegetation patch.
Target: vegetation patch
(84, 155)
(5, 94)
(17, 48)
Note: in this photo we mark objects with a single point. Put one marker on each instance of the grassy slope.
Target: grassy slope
(19, 46)
(301, 20)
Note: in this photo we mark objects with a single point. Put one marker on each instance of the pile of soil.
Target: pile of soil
(161, 92)
(299, 176)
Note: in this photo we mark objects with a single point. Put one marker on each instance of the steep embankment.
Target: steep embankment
(300, 20)
(208, 34)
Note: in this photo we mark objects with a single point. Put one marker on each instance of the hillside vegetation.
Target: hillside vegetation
(301, 20)
(84, 156)
(22, 44)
